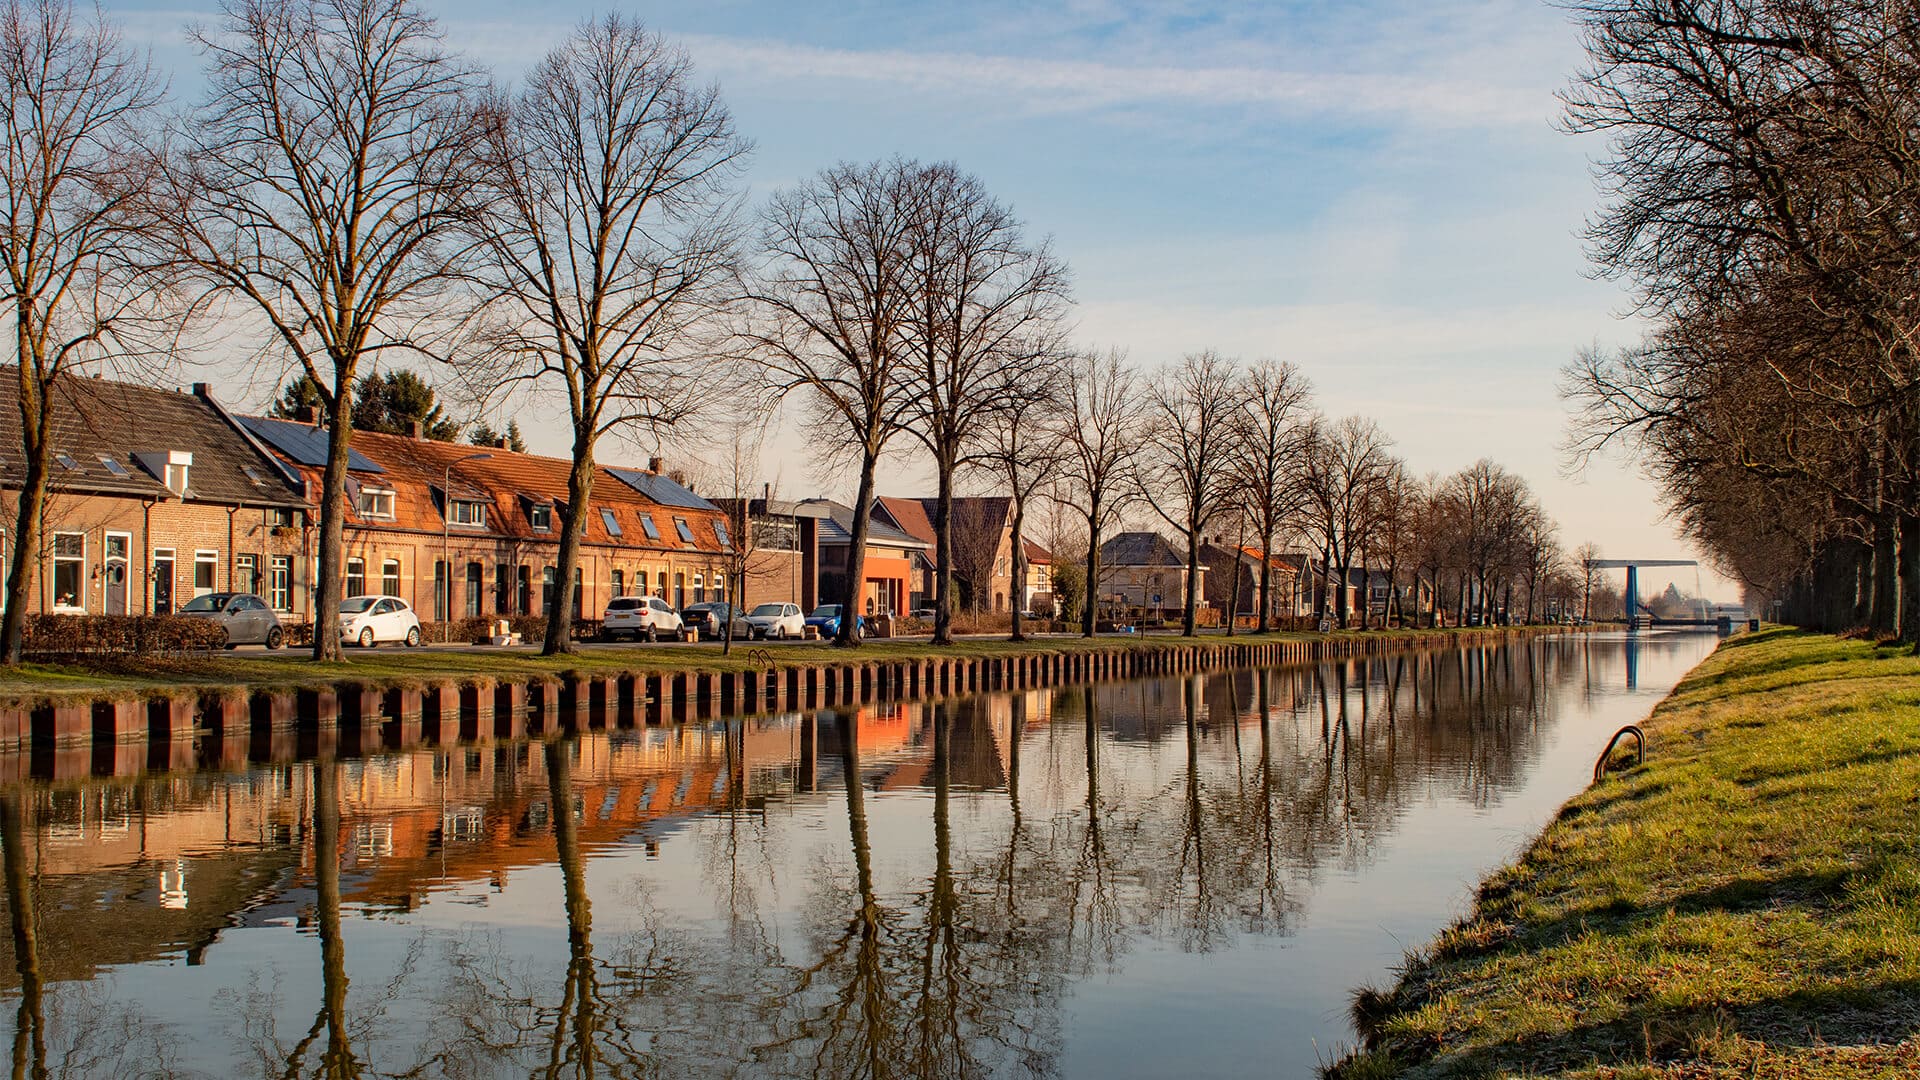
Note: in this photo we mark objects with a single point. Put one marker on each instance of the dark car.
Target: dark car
(245, 617)
(826, 618)
(710, 618)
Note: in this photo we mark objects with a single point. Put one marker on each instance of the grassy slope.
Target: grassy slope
(395, 666)
(1747, 903)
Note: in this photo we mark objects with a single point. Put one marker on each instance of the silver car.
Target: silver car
(245, 617)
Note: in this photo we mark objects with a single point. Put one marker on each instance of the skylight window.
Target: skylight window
(612, 523)
(66, 461)
(647, 526)
(253, 474)
(720, 530)
(113, 466)
(686, 532)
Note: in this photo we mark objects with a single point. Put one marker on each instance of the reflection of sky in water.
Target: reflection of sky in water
(1218, 935)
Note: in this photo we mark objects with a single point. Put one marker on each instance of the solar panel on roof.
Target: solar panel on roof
(305, 444)
(661, 489)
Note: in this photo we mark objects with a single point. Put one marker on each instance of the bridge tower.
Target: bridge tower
(1632, 567)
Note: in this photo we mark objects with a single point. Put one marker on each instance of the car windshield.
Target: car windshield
(209, 602)
(768, 609)
(826, 611)
(354, 605)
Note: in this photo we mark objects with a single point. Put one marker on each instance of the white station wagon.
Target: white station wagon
(637, 617)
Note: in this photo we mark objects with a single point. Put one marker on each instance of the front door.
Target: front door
(163, 581)
(119, 546)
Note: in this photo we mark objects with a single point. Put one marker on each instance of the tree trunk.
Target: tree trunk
(943, 555)
(29, 1032)
(1190, 610)
(1019, 596)
(337, 1059)
(1910, 579)
(850, 603)
(573, 526)
(25, 556)
(1266, 579)
(1089, 618)
(1883, 613)
(333, 512)
(1343, 607)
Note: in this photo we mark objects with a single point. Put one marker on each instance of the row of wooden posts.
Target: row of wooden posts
(228, 727)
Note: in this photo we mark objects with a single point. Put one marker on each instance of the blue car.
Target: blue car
(826, 618)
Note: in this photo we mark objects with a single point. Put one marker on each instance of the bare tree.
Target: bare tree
(325, 184)
(1346, 462)
(1024, 450)
(611, 240)
(985, 305)
(1268, 437)
(829, 307)
(77, 179)
(1391, 535)
(1183, 472)
(1100, 425)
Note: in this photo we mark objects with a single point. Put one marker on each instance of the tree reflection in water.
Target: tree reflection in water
(927, 917)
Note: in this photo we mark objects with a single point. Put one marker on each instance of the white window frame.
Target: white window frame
(280, 582)
(375, 502)
(540, 517)
(467, 513)
(394, 577)
(126, 567)
(238, 582)
(210, 557)
(79, 606)
(179, 469)
(347, 588)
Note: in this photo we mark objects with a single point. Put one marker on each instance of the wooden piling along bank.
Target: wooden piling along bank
(227, 728)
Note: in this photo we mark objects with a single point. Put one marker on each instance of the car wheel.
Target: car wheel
(413, 637)
(275, 638)
(366, 638)
(226, 639)
(653, 633)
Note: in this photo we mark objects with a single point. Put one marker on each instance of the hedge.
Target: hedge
(57, 637)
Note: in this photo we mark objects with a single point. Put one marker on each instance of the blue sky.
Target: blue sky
(1375, 191)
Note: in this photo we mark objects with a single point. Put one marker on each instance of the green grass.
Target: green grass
(1747, 903)
(390, 666)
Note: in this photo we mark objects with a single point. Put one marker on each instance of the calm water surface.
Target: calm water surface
(1158, 878)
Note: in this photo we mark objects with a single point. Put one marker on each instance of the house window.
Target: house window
(467, 512)
(280, 518)
(440, 584)
(579, 590)
(502, 589)
(612, 523)
(523, 603)
(660, 586)
(206, 566)
(699, 589)
(376, 502)
(69, 572)
(280, 585)
(679, 590)
(647, 526)
(474, 574)
(720, 530)
(547, 577)
(619, 583)
(356, 577)
(719, 588)
(540, 516)
(177, 476)
(390, 577)
(246, 573)
(113, 466)
(686, 532)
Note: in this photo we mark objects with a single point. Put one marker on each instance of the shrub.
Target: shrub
(75, 637)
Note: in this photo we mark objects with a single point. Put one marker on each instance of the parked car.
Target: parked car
(639, 616)
(827, 618)
(245, 617)
(711, 616)
(369, 620)
(921, 613)
(775, 621)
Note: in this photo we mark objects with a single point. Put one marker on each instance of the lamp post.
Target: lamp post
(446, 518)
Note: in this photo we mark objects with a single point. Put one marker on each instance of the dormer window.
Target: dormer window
(540, 517)
(375, 502)
(468, 512)
(179, 465)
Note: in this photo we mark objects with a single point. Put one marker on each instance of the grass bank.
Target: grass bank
(390, 666)
(1747, 903)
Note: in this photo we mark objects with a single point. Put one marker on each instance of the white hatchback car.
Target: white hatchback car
(637, 617)
(776, 621)
(368, 620)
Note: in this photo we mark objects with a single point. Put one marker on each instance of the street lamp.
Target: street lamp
(446, 563)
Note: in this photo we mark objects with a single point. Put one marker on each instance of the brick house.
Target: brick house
(1221, 560)
(463, 531)
(892, 558)
(982, 533)
(156, 497)
(1141, 570)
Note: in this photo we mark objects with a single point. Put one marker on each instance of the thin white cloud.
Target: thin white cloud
(1077, 84)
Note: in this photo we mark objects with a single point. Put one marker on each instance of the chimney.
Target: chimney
(307, 414)
(500, 442)
(415, 429)
(200, 390)
(654, 464)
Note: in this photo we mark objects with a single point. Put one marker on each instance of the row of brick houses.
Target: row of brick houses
(159, 496)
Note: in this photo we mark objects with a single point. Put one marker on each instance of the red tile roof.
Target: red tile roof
(909, 516)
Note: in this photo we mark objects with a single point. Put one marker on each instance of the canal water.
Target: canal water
(1169, 877)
